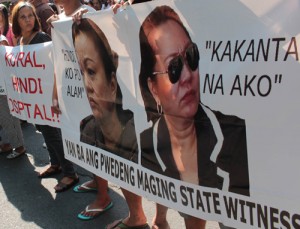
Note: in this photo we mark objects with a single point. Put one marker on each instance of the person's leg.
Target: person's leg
(101, 202)
(136, 215)
(53, 140)
(160, 219)
(51, 149)
(15, 135)
(194, 223)
(11, 127)
(54, 167)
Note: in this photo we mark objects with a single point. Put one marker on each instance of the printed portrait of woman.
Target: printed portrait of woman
(187, 141)
(109, 127)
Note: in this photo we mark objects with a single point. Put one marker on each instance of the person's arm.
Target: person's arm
(51, 19)
(78, 16)
(121, 3)
(55, 105)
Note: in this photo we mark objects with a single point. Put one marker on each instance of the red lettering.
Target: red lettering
(28, 60)
(37, 112)
(40, 86)
(7, 59)
(35, 64)
(18, 106)
(12, 105)
(27, 85)
(20, 57)
(32, 85)
(49, 119)
(15, 83)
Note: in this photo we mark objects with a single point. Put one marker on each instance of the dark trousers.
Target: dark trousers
(53, 139)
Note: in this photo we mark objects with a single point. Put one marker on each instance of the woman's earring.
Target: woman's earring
(159, 108)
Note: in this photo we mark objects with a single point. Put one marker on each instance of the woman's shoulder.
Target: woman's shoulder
(87, 130)
(87, 123)
(224, 119)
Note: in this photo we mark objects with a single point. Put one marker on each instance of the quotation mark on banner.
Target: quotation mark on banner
(278, 78)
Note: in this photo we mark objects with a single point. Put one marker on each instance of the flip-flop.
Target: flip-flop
(14, 154)
(119, 224)
(83, 188)
(98, 211)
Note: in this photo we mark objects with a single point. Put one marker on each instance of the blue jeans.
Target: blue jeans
(53, 139)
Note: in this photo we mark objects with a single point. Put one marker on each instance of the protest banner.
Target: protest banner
(232, 74)
(29, 75)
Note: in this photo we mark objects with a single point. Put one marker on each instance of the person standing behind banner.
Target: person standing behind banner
(43, 11)
(5, 26)
(54, 7)
(188, 141)
(70, 8)
(110, 127)
(27, 27)
(12, 140)
(96, 4)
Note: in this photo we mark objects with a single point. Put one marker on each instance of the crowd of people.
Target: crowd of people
(29, 22)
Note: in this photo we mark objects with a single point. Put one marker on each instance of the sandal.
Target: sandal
(119, 224)
(5, 148)
(52, 170)
(14, 154)
(82, 188)
(61, 187)
(96, 211)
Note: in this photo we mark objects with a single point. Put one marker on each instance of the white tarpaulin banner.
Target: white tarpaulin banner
(208, 104)
(191, 104)
(29, 75)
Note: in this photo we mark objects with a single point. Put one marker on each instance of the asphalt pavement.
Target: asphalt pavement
(29, 202)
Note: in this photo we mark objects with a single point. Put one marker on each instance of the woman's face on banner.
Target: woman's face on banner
(26, 19)
(99, 91)
(180, 98)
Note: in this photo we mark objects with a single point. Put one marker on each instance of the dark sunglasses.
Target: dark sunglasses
(191, 56)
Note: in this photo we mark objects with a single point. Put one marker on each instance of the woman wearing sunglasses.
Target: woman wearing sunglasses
(188, 141)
